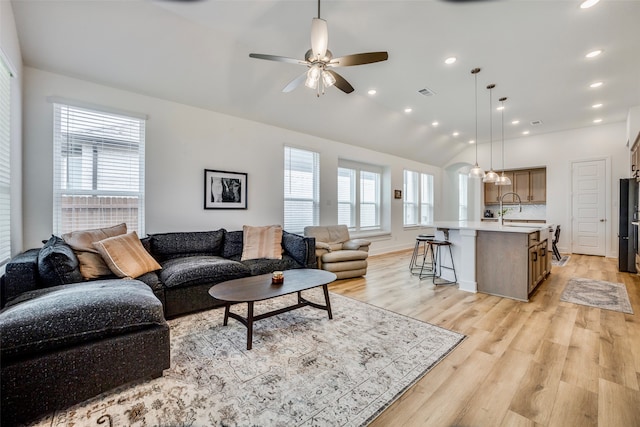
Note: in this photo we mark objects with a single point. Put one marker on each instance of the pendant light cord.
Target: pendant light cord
(490, 87)
(502, 116)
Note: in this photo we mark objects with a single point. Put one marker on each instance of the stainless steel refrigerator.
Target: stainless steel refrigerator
(628, 234)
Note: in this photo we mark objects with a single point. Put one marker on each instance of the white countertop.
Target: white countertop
(510, 227)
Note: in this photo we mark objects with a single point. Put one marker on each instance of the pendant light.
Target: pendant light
(476, 171)
(491, 176)
(503, 180)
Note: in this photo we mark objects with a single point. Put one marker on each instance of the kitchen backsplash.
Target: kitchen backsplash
(528, 211)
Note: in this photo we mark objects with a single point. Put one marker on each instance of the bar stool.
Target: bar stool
(438, 254)
(417, 267)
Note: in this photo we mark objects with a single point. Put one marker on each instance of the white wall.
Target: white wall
(10, 50)
(181, 141)
(556, 151)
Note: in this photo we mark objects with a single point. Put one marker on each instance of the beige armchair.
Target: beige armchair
(337, 252)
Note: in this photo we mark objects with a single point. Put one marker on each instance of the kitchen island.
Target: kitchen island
(508, 260)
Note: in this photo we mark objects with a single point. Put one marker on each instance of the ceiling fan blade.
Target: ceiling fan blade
(341, 83)
(319, 37)
(277, 58)
(359, 59)
(295, 83)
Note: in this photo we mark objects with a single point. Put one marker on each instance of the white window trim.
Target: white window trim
(315, 199)
(358, 167)
(418, 204)
(59, 191)
(8, 73)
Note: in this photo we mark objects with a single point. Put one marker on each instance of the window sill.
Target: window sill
(374, 234)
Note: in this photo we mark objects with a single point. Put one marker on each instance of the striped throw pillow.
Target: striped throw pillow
(125, 255)
(261, 242)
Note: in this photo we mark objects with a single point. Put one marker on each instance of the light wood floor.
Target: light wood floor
(542, 363)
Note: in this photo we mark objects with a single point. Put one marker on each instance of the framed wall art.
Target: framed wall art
(225, 190)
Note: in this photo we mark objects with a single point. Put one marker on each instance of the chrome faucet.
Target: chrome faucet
(502, 198)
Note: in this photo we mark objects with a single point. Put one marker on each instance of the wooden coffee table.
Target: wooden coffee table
(259, 288)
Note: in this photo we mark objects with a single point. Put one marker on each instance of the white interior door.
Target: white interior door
(589, 207)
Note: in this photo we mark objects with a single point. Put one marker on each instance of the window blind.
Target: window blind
(98, 169)
(369, 200)
(418, 198)
(301, 189)
(347, 197)
(426, 199)
(5, 163)
(410, 198)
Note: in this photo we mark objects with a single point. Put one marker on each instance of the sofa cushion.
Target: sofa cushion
(58, 264)
(261, 242)
(92, 266)
(264, 265)
(125, 255)
(196, 270)
(296, 247)
(166, 246)
(232, 244)
(56, 317)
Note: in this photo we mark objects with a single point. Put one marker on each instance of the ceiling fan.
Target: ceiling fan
(320, 61)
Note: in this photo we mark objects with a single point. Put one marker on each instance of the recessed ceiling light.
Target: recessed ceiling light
(372, 92)
(597, 120)
(408, 110)
(472, 142)
(596, 106)
(456, 133)
(526, 132)
(593, 53)
(435, 124)
(588, 3)
(596, 84)
(515, 122)
(450, 60)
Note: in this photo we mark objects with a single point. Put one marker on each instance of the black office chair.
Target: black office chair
(556, 237)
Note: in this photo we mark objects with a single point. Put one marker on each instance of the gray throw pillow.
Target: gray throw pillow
(58, 264)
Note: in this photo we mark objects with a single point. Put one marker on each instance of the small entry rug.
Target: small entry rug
(597, 293)
(303, 370)
(561, 262)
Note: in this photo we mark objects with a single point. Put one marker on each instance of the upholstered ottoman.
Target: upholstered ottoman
(64, 344)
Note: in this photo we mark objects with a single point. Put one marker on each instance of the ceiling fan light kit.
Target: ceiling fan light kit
(320, 60)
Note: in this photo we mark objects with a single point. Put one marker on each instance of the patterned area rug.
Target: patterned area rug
(303, 370)
(562, 262)
(599, 294)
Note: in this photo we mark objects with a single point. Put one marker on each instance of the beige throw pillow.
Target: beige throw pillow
(91, 264)
(126, 256)
(261, 242)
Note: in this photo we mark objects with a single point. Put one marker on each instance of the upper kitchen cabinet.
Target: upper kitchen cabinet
(492, 192)
(529, 184)
(635, 159)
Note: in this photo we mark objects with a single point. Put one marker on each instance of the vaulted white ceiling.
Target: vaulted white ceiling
(197, 53)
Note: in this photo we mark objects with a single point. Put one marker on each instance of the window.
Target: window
(418, 198)
(301, 189)
(462, 196)
(98, 169)
(5, 163)
(359, 195)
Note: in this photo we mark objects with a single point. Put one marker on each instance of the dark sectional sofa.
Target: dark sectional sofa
(64, 340)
